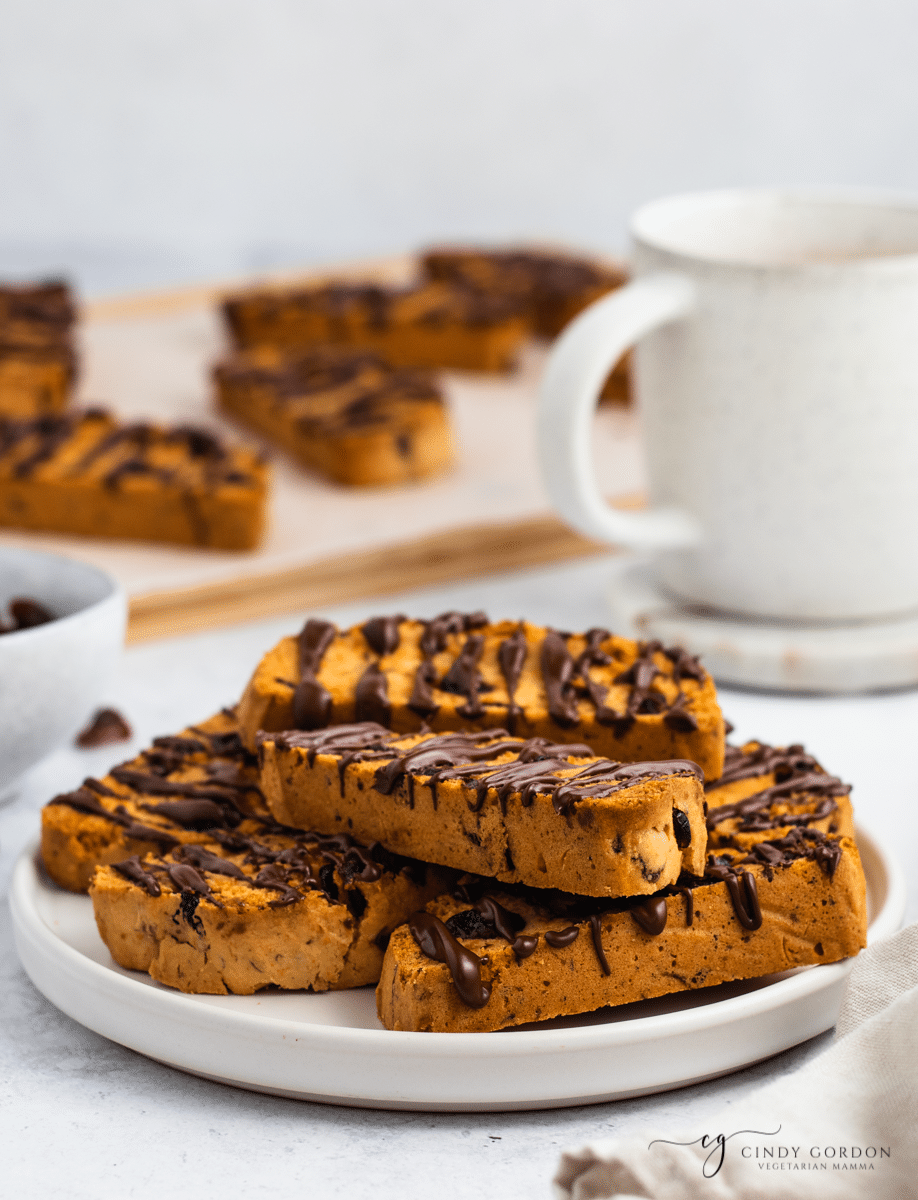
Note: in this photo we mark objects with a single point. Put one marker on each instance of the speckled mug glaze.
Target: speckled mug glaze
(777, 377)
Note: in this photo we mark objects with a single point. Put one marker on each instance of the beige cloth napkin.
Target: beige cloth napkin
(861, 1095)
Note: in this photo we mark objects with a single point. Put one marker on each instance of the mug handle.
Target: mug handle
(577, 367)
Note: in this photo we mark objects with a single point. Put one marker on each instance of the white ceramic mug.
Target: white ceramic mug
(776, 370)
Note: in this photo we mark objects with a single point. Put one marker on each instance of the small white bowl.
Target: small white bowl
(53, 676)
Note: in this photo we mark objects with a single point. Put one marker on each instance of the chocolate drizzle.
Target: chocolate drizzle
(508, 924)
(689, 897)
(566, 680)
(596, 933)
(132, 870)
(798, 843)
(434, 641)
(558, 939)
(382, 634)
(535, 770)
(511, 655)
(288, 862)
(796, 773)
(464, 679)
(83, 800)
(524, 945)
(743, 892)
(206, 860)
(371, 697)
(537, 766)
(651, 914)
(193, 888)
(436, 941)
(312, 703)
(557, 674)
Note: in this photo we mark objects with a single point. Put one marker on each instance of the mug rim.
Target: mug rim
(649, 226)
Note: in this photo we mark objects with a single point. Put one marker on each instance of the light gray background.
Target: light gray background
(150, 143)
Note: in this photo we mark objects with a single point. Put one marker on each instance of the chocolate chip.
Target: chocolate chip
(682, 828)
(106, 727)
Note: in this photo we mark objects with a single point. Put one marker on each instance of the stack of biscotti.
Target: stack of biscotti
(86, 473)
(37, 354)
(547, 287)
(558, 848)
(194, 879)
(781, 887)
(509, 874)
(342, 412)
(194, 882)
(425, 324)
(200, 789)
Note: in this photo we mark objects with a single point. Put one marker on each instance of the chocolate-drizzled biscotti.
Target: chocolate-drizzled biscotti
(37, 354)
(485, 958)
(530, 811)
(85, 473)
(237, 912)
(548, 287)
(342, 412)
(429, 324)
(629, 701)
(193, 881)
(197, 782)
(767, 791)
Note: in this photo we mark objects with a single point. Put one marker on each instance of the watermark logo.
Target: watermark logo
(781, 1156)
(717, 1143)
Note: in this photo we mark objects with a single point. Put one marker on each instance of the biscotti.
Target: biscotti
(766, 791)
(423, 325)
(341, 412)
(199, 781)
(236, 912)
(547, 287)
(35, 379)
(85, 473)
(37, 354)
(485, 959)
(532, 811)
(629, 701)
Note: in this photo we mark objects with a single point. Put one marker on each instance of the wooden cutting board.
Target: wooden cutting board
(150, 356)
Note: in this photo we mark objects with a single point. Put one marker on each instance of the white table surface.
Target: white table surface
(82, 1117)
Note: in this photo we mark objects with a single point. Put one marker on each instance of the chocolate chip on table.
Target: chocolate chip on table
(26, 614)
(106, 727)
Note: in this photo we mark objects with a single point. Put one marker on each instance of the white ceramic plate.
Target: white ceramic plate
(330, 1047)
